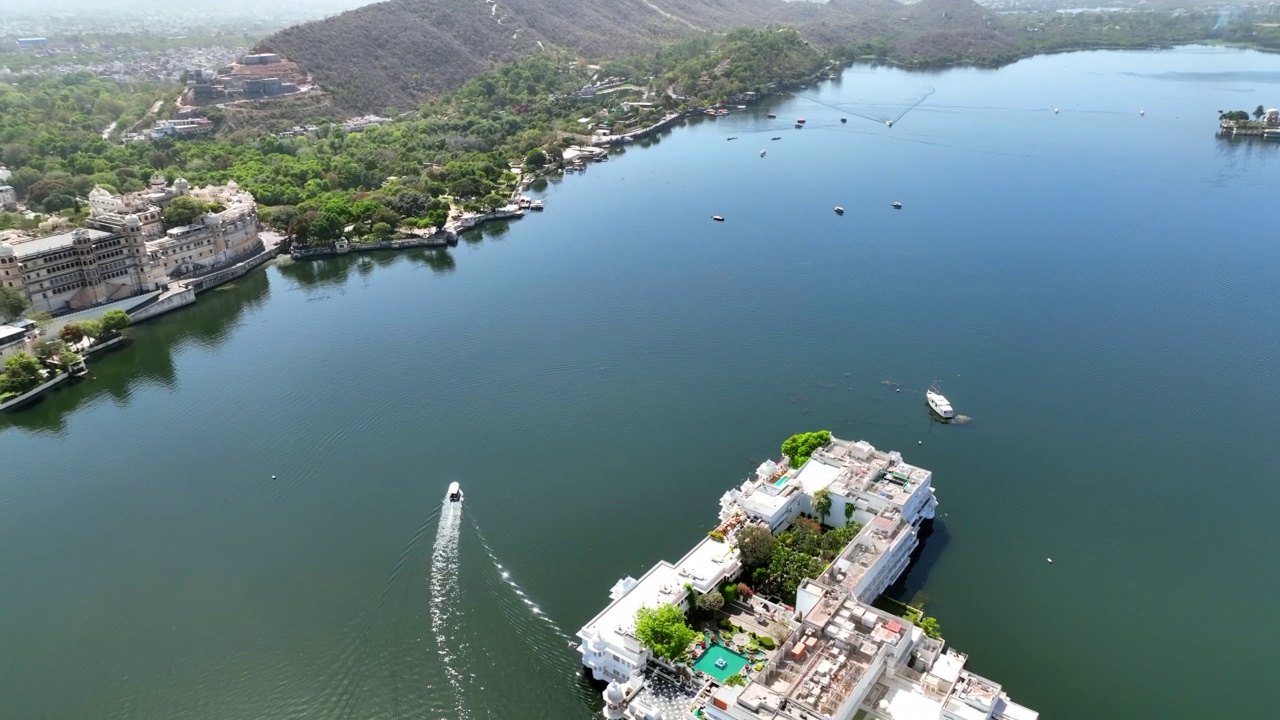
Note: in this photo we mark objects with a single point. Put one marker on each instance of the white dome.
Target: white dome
(181, 184)
(613, 694)
(6, 250)
(233, 184)
(132, 220)
(97, 193)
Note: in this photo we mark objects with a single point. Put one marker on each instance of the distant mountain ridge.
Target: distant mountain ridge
(395, 53)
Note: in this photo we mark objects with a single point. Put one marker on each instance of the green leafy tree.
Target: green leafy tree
(822, 503)
(930, 627)
(21, 373)
(535, 159)
(664, 632)
(115, 320)
(735, 680)
(711, 602)
(382, 231)
(848, 512)
(755, 544)
(799, 447)
(12, 303)
(326, 226)
(91, 328)
(1258, 112)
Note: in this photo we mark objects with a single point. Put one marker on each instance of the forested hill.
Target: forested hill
(396, 53)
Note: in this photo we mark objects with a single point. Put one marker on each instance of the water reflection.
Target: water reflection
(149, 357)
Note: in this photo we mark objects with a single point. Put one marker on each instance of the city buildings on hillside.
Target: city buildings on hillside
(841, 659)
(8, 197)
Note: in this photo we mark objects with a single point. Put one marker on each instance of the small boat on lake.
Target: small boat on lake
(732, 137)
(771, 116)
(897, 205)
(801, 121)
(455, 493)
(844, 120)
(776, 138)
(718, 218)
(536, 205)
(839, 210)
(762, 152)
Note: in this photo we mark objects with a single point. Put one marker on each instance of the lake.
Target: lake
(238, 516)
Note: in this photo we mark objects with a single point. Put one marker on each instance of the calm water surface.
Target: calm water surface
(1095, 288)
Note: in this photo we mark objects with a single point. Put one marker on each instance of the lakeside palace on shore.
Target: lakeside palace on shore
(841, 658)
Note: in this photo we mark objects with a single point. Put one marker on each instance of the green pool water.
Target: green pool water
(733, 662)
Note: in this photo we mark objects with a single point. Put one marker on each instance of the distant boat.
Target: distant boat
(718, 218)
(889, 123)
(761, 152)
(844, 120)
(897, 205)
(455, 493)
(771, 116)
(801, 121)
(535, 205)
(776, 138)
(939, 404)
(839, 210)
(732, 137)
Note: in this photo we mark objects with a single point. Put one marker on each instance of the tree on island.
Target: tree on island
(113, 321)
(12, 303)
(71, 333)
(664, 632)
(755, 544)
(822, 503)
(848, 512)
(21, 373)
(711, 602)
(1258, 112)
(799, 447)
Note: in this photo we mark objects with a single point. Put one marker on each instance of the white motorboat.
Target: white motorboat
(455, 493)
(939, 404)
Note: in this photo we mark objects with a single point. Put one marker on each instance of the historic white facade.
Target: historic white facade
(214, 240)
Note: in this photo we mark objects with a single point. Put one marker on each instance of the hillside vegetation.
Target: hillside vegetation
(395, 54)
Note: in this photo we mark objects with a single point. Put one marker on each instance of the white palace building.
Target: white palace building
(841, 658)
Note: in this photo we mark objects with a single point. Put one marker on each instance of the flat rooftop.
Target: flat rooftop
(664, 583)
(36, 246)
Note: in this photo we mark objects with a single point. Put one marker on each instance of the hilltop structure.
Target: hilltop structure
(841, 658)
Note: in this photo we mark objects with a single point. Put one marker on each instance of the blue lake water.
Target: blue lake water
(1095, 288)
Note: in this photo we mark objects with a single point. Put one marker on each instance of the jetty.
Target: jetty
(834, 655)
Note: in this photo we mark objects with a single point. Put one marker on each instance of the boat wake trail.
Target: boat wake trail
(505, 576)
(445, 603)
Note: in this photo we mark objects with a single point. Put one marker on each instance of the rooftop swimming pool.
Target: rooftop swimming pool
(782, 480)
(733, 662)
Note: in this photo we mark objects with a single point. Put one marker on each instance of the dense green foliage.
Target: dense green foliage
(183, 211)
(707, 69)
(799, 447)
(664, 632)
(711, 601)
(12, 303)
(115, 320)
(802, 552)
(21, 373)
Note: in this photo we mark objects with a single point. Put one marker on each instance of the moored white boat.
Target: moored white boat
(939, 404)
